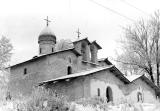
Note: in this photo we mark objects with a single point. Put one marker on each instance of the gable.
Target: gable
(103, 80)
(134, 78)
(81, 40)
(96, 44)
(139, 85)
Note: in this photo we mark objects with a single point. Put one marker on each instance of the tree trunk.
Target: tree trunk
(152, 78)
(151, 73)
(157, 58)
(157, 74)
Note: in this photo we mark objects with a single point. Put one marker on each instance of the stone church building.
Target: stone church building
(78, 73)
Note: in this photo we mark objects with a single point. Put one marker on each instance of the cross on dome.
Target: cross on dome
(47, 34)
(78, 32)
(47, 21)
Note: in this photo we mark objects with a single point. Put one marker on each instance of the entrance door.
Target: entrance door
(109, 95)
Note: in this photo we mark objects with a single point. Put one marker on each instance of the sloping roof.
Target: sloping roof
(133, 78)
(92, 63)
(47, 31)
(44, 55)
(85, 73)
(102, 59)
(79, 74)
(98, 46)
(150, 83)
(105, 60)
(80, 39)
(119, 74)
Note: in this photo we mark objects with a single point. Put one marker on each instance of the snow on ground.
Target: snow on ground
(9, 106)
(121, 107)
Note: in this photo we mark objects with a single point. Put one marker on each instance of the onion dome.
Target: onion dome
(47, 35)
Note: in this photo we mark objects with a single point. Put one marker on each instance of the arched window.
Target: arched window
(69, 70)
(139, 97)
(109, 95)
(98, 92)
(52, 49)
(40, 50)
(25, 71)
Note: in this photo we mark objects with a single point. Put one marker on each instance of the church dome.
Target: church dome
(47, 35)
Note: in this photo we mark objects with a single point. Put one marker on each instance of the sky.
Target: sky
(102, 20)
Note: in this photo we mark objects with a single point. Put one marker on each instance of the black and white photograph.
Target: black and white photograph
(79, 55)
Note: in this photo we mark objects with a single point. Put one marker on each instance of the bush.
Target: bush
(44, 100)
(95, 102)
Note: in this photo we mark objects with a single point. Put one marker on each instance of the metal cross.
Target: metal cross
(78, 32)
(47, 20)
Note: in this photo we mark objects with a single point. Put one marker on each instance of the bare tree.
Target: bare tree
(155, 30)
(5, 56)
(141, 48)
(5, 52)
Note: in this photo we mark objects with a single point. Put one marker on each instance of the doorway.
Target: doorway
(109, 95)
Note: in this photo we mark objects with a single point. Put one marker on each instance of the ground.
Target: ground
(9, 106)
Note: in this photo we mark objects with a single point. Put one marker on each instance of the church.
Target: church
(77, 72)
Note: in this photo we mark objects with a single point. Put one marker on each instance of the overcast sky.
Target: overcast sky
(22, 21)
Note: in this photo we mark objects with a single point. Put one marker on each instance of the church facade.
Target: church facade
(77, 73)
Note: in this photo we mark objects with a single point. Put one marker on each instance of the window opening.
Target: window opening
(98, 92)
(52, 49)
(109, 95)
(139, 97)
(40, 50)
(25, 71)
(69, 69)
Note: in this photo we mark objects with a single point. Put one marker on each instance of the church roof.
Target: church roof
(47, 31)
(79, 74)
(97, 45)
(87, 72)
(133, 78)
(47, 35)
(105, 60)
(44, 55)
(112, 68)
(89, 42)
(92, 63)
(81, 39)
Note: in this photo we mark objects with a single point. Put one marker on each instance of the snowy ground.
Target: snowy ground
(75, 107)
(122, 107)
(7, 106)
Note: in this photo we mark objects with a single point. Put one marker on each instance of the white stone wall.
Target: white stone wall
(102, 81)
(45, 68)
(148, 94)
(121, 92)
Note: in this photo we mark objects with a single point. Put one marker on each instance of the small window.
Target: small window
(98, 92)
(40, 50)
(69, 69)
(52, 49)
(25, 71)
(139, 97)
